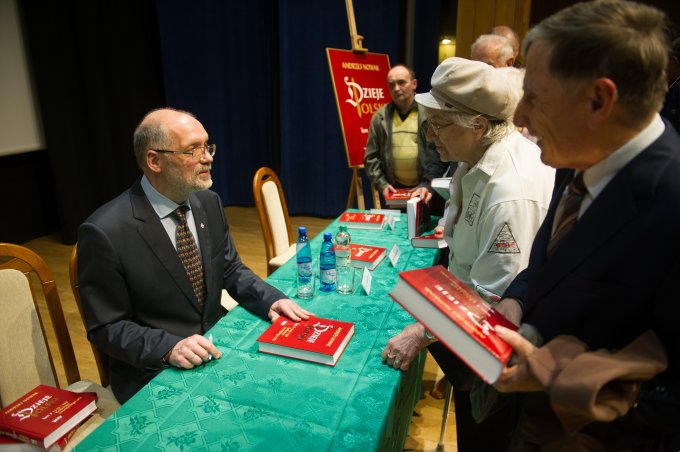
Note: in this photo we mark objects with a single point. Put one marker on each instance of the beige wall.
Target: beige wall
(476, 17)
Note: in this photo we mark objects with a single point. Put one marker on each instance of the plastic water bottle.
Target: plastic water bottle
(343, 260)
(327, 264)
(305, 276)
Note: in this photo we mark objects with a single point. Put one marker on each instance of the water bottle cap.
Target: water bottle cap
(343, 228)
(302, 230)
(327, 235)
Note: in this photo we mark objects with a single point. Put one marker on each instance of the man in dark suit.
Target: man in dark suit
(604, 265)
(152, 263)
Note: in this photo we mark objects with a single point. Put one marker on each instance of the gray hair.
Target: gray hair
(496, 131)
(151, 135)
(621, 40)
(506, 52)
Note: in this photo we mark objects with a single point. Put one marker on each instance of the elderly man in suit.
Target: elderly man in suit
(604, 265)
(152, 263)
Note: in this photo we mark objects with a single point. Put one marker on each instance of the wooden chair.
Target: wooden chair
(100, 359)
(273, 214)
(25, 357)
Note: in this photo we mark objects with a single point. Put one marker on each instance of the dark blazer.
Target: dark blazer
(617, 272)
(137, 300)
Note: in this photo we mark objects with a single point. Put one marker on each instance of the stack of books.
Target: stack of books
(46, 417)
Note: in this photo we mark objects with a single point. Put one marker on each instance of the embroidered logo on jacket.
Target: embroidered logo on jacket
(471, 210)
(505, 242)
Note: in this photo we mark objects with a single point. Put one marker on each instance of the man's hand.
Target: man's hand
(192, 352)
(517, 378)
(510, 309)
(421, 192)
(388, 189)
(439, 232)
(288, 308)
(403, 348)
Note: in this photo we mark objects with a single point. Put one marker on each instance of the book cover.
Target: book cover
(9, 444)
(362, 220)
(316, 339)
(428, 241)
(457, 316)
(398, 198)
(367, 256)
(417, 217)
(441, 186)
(46, 414)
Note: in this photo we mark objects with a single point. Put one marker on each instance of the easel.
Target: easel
(356, 188)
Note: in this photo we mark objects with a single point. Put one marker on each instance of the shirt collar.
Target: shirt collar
(598, 176)
(162, 205)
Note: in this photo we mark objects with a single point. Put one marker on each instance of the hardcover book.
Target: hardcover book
(366, 255)
(46, 414)
(398, 198)
(417, 217)
(457, 316)
(9, 444)
(441, 186)
(428, 241)
(316, 339)
(362, 220)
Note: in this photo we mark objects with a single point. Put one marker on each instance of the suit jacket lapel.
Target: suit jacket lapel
(154, 234)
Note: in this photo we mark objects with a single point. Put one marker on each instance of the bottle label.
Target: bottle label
(328, 276)
(305, 268)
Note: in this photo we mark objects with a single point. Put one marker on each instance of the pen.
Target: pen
(210, 339)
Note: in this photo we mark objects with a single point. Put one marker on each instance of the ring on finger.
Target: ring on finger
(397, 362)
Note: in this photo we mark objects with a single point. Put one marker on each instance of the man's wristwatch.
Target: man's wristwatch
(429, 336)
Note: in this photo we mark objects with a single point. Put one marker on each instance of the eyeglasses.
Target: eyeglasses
(437, 128)
(196, 152)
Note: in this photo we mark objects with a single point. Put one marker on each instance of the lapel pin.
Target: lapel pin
(202, 226)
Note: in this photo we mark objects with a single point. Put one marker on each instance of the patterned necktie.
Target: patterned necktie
(571, 203)
(188, 254)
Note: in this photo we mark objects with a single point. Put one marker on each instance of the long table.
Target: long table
(252, 401)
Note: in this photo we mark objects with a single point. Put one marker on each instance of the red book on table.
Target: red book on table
(46, 414)
(362, 220)
(428, 241)
(457, 316)
(398, 198)
(366, 255)
(316, 339)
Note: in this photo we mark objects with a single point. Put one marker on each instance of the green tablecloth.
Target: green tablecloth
(251, 401)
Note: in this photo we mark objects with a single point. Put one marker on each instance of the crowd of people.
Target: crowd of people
(583, 255)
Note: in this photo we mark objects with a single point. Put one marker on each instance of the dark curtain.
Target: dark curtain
(256, 74)
(96, 69)
(220, 63)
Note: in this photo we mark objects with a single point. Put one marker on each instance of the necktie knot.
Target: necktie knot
(571, 205)
(181, 213)
(577, 187)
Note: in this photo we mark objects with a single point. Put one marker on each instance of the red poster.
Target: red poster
(360, 85)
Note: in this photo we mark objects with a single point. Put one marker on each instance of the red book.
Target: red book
(362, 220)
(46, 414)
(9, 444)
(398, 198)
(457, 316)
(366, 255)
(428, 241)
(316, 339)
(417, 217)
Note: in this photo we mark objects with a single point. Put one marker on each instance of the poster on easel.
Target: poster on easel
(360, 87)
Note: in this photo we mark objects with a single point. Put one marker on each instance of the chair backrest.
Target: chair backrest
(273, 213)
(100, 359)
(25, 356)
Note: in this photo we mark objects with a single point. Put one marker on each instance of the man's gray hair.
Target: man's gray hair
(502, 42)
(620, 40)
(151, 135)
